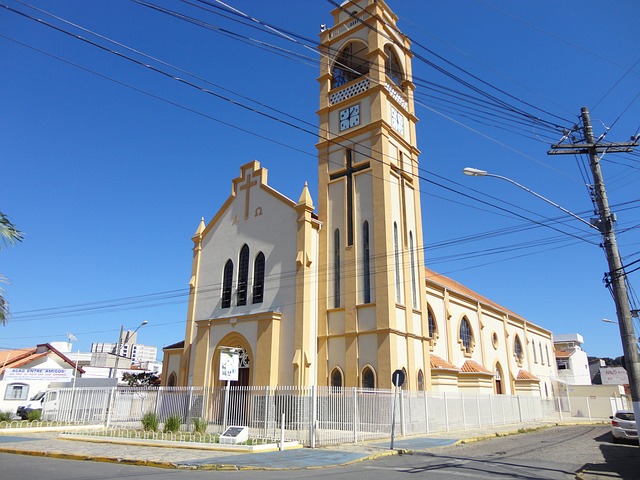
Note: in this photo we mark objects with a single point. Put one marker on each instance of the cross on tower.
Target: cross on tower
(348, 172)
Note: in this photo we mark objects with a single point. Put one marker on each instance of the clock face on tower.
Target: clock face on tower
(397, 121)
(350, 117)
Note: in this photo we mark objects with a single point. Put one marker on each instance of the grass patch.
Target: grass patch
(199, 425)
(150, 422)
(172, 424)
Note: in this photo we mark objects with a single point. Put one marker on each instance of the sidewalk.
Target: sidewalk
(82, 448)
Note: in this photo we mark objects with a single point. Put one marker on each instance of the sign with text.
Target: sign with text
(49, 374)
(229, 365)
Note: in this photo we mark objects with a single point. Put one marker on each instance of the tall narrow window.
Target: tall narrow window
(258, 278)
(368, 378)
(243, 275)
(535, 356)
(517, 349)
(413, 271)
(336, 269)
(466, 336)
(336, 378)
(432, 323)
(366, 263)
(227, 278)
(420, 381)
(396, 256)
(548, 359)
(541, 357)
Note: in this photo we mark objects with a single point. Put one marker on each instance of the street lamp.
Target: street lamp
(475, 172)
(616, 272)
(114, 373)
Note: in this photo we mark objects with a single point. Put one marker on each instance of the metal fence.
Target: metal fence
(312, 416)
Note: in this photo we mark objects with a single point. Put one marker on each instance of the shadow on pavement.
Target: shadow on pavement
(622, 460)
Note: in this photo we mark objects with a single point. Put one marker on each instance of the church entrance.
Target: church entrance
(240, 394)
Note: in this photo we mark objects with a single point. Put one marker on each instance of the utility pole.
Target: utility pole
(605, 223)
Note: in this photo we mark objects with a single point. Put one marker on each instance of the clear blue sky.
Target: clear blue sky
(108, 166)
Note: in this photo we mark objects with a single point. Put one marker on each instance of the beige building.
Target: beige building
(336, 296)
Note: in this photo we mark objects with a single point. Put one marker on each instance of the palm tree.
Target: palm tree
(9, 235)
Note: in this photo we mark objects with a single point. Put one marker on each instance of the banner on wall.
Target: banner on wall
(47, 374)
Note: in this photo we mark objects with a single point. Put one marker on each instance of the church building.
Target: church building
(336, 294)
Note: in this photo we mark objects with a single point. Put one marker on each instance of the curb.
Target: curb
(72, 456)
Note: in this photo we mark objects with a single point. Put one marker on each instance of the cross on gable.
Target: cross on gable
(246, 185)
(348, 172)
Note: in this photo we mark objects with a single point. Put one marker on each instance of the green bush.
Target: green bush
(172, 424)
(6, 416)
(34, 415)
(150, 422)
(199, 425)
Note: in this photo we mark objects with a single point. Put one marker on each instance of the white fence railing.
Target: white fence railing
(312, 415)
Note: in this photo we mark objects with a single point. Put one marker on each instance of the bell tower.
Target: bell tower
(373, 312)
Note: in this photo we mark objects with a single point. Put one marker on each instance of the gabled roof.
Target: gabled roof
(23, 356)
(439, 363)
(179, 344)
(524, 375)
(474, 367)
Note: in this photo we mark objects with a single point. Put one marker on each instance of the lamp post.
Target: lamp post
(475, 172)
(616, 273)
(114, 373)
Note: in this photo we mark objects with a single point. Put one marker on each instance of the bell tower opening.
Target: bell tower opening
(351, 63)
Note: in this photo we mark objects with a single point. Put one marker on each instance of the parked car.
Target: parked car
(34, 403)
(623, 426)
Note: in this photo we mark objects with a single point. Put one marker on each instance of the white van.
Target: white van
(36, 403)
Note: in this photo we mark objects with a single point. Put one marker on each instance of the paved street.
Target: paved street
(551, 453)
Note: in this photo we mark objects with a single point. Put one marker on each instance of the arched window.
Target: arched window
(172, 380)
(336, 378)
(541, 357)
(498, 381)
(466, 336)
(227, 279)
(336, 269)
(396, 256)
(413, 271)
(368, 378)
(405, 385)
(420, 381)
(366, 263)
(392, 66)
(517, 349)
(535, 355)
(258, 278)
(433, 328)
(243, 275)
(548, 359)
(350, 64)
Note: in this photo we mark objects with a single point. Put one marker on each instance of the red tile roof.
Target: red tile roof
(23, 356)
(474, 367)
(439, 363)
(524, 375)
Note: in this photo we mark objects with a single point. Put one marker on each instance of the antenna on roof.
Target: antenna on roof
(71, 337)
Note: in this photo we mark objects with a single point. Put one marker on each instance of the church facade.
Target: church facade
(339, 296)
